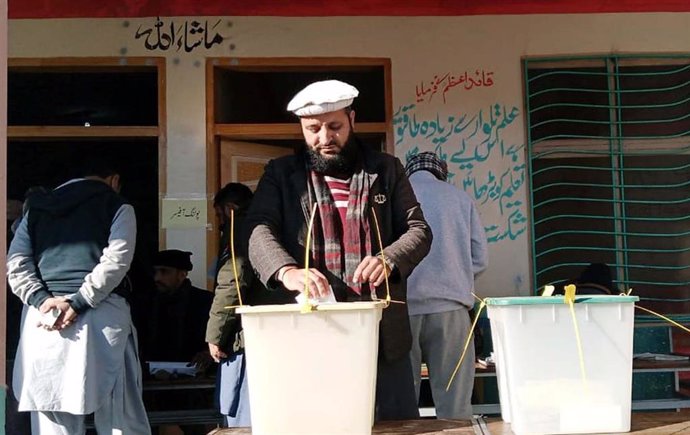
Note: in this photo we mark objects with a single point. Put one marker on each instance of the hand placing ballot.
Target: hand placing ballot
(328, 298)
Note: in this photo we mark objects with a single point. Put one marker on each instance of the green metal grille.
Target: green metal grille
(609, 161)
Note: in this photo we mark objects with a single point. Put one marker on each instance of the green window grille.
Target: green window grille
(609, 163)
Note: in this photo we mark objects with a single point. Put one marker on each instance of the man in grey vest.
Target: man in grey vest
(68, 264)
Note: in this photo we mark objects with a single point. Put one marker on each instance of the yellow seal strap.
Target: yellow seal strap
(661, 316)
(383, 260)
(467, 342)
(569, 299)
(232, 255)
(307, 306)
(231, 245)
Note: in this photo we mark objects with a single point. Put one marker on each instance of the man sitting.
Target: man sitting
(180, 312)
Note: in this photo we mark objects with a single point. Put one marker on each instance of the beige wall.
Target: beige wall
(420, 49)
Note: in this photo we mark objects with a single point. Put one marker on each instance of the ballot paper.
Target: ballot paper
(49, 318)
(321, 300)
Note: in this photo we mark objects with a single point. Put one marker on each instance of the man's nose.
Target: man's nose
(324, 136)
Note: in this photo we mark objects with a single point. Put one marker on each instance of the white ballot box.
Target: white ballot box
(546, 385)
(312, 373)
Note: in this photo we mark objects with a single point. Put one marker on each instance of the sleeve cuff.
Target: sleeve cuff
(78, 303)
(394, 274)
(38, 297)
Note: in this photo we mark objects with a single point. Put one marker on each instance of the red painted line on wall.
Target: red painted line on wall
(315, 8)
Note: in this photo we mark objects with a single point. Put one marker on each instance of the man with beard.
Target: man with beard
(347, 183)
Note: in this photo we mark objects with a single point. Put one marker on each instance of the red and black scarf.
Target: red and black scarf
(328, 249)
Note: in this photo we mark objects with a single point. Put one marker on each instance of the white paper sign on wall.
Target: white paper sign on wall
(184, 212)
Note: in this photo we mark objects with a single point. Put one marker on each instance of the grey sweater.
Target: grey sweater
(444, 280)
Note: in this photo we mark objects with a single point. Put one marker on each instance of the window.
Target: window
(608, 142)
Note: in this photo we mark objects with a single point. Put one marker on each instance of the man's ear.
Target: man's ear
(352, 119)
(115, 182)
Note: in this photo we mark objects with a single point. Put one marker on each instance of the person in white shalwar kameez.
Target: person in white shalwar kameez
(71, 252)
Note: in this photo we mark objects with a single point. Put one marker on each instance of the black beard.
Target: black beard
(343, 163)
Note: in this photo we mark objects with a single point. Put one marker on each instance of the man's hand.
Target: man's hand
(66, 317)
(216, 353)
(294, 279)
(371, 269)
(202, 361)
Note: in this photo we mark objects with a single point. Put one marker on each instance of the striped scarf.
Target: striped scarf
(327, 248)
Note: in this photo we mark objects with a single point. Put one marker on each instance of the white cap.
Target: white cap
(322, 97)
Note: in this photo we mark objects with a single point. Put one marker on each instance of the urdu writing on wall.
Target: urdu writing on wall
(488, 167)
(187, 35)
